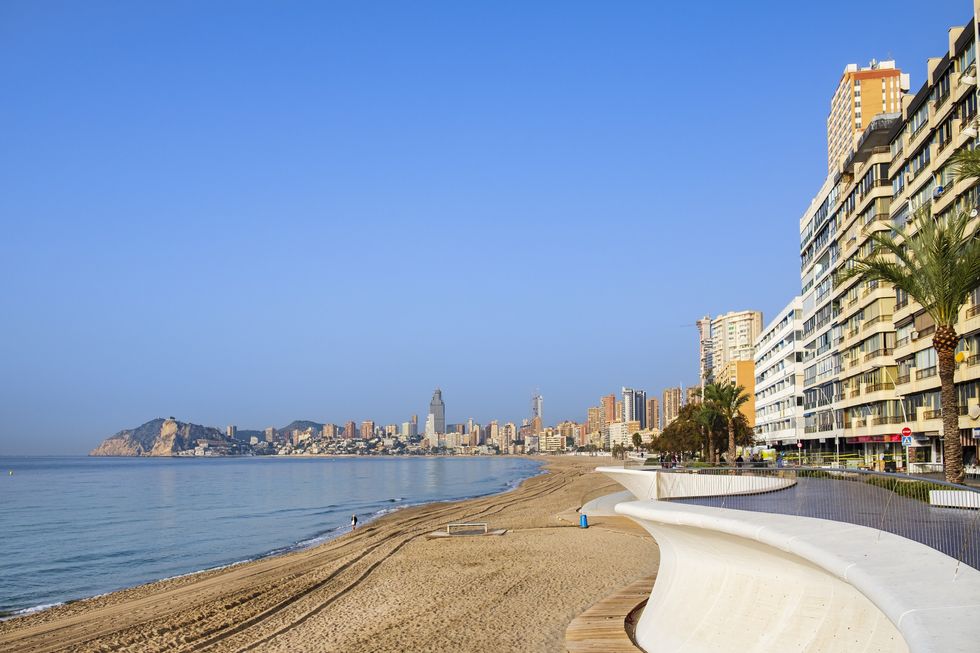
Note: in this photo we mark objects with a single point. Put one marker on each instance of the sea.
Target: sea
(77, 527)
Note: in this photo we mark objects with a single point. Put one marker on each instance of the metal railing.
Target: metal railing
(925, 373)
(894, 503)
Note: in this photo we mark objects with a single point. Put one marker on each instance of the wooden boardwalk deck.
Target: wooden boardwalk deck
(603, 626)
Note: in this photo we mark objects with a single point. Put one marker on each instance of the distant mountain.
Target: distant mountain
(301, 424)
(158, 437)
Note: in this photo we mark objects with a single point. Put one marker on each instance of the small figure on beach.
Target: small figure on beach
(353, 521)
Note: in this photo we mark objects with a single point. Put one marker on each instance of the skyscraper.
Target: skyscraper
(367, 429)
(693, 395)
(537, 406)
(861, 95)
(634, 406)
(350, 430)
(438, 411)
(593, 421)
(705, 348)
(733, 337)
(672, 405)
(653, 413)
(608, 406)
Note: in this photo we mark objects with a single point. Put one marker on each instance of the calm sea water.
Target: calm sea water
(77, 527)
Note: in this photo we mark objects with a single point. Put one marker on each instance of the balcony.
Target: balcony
(883, 351)
(903, 378)
(932, 414)
(903, 341)
(887, 419)
(853, 392)
(973, 311)
(875, 320)
(925, 333)
(859, 422)
(925, 373)
(878, 387)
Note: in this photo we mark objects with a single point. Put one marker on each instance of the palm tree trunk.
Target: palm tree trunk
(731, 443)
(945, 342)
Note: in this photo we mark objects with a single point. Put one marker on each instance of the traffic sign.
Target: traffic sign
(799, 445)
(906, 440)
(906, 432)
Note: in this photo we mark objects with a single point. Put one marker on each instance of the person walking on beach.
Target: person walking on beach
(353, 521)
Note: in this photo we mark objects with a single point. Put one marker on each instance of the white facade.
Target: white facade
(779, 377)
(618, 434)
(820, 360)
(733, 336)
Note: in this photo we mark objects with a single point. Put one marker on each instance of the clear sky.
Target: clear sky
(255, 212)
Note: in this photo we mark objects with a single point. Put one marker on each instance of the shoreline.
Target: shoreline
(390, 552)
(299, 545)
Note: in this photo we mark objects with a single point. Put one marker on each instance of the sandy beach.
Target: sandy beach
(385, 587)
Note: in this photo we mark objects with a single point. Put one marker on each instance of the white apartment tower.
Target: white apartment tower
(779, 377)
(733, 337)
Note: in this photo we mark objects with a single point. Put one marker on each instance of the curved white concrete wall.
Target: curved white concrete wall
(730, 580)
(651, 484)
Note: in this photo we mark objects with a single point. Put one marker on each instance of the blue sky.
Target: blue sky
(254, 212)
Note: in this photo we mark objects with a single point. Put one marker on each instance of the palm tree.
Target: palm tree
(937, 265)
(726, 399)
(637, 441)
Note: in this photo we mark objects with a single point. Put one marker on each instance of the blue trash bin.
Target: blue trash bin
(583, 520)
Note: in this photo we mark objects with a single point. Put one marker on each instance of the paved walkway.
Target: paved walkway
(955, 532)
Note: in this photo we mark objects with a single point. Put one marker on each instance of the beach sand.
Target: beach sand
(385, 587)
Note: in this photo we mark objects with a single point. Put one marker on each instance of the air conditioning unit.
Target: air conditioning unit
(914, 335)
(908, 177)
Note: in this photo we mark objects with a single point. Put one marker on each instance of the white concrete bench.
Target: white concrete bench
(745, 581)
(954, 498)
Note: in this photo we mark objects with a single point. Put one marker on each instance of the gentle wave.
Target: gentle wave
(65, 544)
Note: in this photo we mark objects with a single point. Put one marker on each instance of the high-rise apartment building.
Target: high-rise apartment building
(672, 405)
(937, 122)
(705, 349)
(437, 408)
(231, 431)
(430, 431)
(741, 373)
(593, 421)
(862, 94)
(634, 406)
(367, 429)
(608, 406)
(779, 377)
(350, 430)
(733, 336)
(508, 435)
(537, 406)
(329, 431)
(653, 413)
(270, 434)
(692, 395)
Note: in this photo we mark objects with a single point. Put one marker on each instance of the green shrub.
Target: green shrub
(918, 490)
